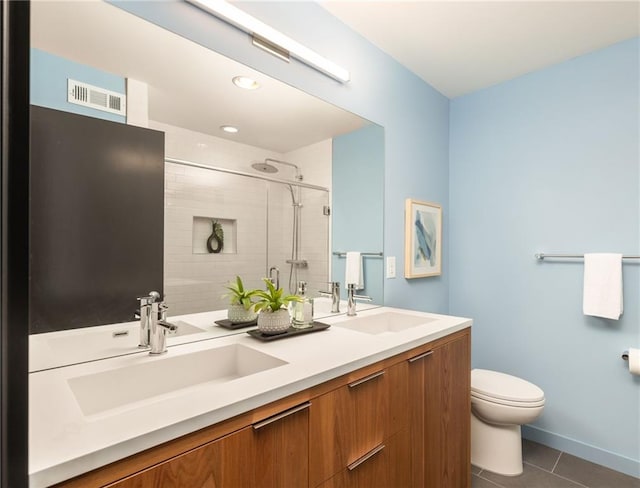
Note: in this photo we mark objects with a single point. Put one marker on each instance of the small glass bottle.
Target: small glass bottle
(302, 310)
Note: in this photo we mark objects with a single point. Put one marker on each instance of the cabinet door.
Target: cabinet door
(385, 466)
(440, 416)
(455, 413)
(269, 454)
(349, 422)
(424, 413)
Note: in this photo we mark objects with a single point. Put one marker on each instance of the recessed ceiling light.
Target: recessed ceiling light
(245, 82)
(229, 128)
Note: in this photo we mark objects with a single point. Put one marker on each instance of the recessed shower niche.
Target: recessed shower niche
(212, 235)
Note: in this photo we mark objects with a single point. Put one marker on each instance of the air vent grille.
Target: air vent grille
(95, 97)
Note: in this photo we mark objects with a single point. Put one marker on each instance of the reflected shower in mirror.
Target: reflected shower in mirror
(280, 219)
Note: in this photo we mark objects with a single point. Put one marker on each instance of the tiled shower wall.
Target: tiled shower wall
(249, 210)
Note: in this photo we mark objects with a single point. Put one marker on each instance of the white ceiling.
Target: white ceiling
(459, 47)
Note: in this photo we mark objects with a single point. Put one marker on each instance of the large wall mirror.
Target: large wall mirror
(282, 188)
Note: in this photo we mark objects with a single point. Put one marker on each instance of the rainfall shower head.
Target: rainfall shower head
(264, 167)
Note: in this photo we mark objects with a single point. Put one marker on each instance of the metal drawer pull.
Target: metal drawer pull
(420, 356)
(281, 415)
(368, 455)
(366, 378)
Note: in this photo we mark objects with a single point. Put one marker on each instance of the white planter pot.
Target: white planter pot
(237, 314)
(271, 323)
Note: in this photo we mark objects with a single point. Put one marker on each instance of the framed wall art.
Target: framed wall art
(423, 239)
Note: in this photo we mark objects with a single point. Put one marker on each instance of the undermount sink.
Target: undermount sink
(384, 322)
(99, 392)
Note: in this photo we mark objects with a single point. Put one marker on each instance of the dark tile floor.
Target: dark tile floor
(545, 467)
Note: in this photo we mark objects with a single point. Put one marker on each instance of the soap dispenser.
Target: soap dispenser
(302, 310)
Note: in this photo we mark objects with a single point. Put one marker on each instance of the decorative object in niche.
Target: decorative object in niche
(423, 239)
(215, 242)
(213, 235)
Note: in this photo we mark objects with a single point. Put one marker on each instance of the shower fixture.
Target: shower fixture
(265, 167)
(294, 262)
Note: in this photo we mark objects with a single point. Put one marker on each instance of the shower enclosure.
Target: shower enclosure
(269, 223)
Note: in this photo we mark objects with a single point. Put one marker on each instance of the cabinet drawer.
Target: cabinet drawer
(347, 423)
(387, 465)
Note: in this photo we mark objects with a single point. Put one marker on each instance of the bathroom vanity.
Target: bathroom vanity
(381, 399)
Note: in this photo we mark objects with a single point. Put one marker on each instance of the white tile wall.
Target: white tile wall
(194, 281)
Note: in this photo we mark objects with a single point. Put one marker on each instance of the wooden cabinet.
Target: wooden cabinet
(353, 420)
(270, 454)
(439, 411)
(402, 422)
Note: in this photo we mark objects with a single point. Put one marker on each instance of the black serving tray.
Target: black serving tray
(227, 324)
(288, 333)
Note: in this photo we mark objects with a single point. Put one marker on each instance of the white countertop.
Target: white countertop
(63, 442)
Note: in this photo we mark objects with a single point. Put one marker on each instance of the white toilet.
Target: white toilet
(500, 404)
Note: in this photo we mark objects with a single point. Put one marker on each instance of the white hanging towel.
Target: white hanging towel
(603, 285)
(353, 270)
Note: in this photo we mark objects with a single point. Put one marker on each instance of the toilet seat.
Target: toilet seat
(505, 389)
(508, 403)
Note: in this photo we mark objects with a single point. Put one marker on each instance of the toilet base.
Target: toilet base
(496, 448)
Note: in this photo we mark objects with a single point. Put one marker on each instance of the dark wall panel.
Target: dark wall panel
(97, 219)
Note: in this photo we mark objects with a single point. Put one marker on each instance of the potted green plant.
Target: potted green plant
(240, 303)
(271, 305)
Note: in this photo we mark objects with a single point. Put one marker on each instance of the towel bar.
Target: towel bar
(343, 254)
(541, 256)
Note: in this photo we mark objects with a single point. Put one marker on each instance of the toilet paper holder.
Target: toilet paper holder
(625, 355)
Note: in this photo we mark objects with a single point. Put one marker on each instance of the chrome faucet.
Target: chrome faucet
(335, 296)
(352, 297)
(276, 280)
(144, 315)
(158, 328)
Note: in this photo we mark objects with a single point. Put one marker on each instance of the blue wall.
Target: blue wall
(357, 187)
(48, 87)
(414, 115)
(549, 162)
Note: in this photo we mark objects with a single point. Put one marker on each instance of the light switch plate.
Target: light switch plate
(391, 267)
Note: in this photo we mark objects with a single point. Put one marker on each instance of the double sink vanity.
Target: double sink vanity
(379, 399)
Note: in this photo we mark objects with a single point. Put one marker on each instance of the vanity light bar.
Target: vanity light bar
(255, 27)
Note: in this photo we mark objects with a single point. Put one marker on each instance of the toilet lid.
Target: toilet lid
(501, 386)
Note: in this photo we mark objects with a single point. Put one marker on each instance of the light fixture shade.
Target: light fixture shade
(247, 23)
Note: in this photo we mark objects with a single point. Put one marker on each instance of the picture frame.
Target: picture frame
(423, 239)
